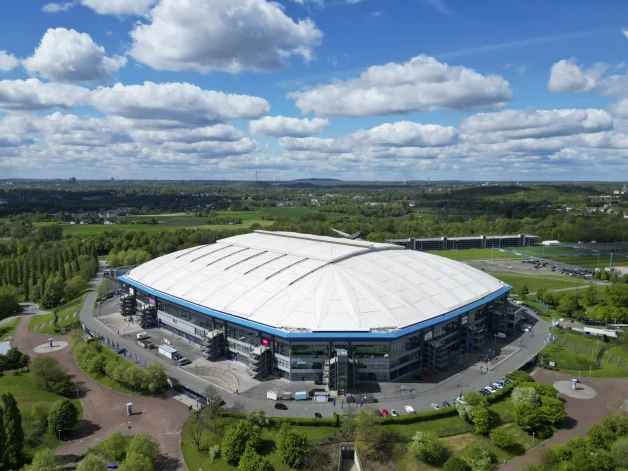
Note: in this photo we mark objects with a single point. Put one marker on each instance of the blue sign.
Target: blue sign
(334, 402)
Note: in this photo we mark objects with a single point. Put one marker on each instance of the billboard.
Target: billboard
(465, 319)
(131, 291)
(151, 301)
(428, 336)
(265, 342)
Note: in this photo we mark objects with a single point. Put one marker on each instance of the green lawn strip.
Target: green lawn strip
(535, 283)
(41, 323)
(105, 380)
(568, 361)
(27, 395)
(472, 254)
(7, 329)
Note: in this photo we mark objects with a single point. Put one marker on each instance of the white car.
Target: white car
(435, 406)
(394, 413)
(489, 390)
(409, 409)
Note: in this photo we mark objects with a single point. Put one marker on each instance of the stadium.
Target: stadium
(315, 308)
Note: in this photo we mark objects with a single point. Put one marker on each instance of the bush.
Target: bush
(214, 453)
(302, 422)
(292, 446)
(482, 420)
(519, 376)
(237, 438)
(456, 464)
(503, 439)
(483, 459)
(526, 395)
(63, 416)
(65, 388)
(427, 447)
(258, 417)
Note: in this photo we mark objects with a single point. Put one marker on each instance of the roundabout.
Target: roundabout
(47, 348)
(582, 391)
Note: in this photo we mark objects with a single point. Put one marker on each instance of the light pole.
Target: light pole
(129, 429)
(59, 434)
(589, 371)
(77, 393)
(472, 464)
(305, 412)
(533, 439)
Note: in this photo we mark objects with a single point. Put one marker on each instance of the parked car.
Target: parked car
(385, 413)
(318, 415)
(281, 406)
(394, 413)
(507, 381)
(183, 361)
(112, 466)
(435, 406)
(489, 390)
(319, 382)
(409, 409)
(418, 376)
(446, 404)
(122, 351)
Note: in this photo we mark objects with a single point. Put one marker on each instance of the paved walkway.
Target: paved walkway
(104, 410)
(581, 413)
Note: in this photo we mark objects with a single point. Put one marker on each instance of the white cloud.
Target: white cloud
(567, 77)
(521, 69)
(33, 95)
(281, 126)
(522, 124)
(223, 35)
(219, 133)
(7, 61)
(177, 102)
(119, 7)
(421, 84)
(69, 56)
(389, 135)
(57, 7)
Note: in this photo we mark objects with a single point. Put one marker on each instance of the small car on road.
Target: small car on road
(318, 415)
(435, 406)
(446, 404)
(385, 413)
(281, 406)
(409, 409)
(394, 413)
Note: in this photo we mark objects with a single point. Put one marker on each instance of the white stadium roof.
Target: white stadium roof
(298, 282)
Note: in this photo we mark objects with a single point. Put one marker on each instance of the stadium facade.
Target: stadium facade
(470, 242)
(306, 307)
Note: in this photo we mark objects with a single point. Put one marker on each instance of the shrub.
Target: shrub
(519, 376)
(482, 420)
(526, 395)
(503, 439)
(456, 464)
(483, 459)
(63, 416)
(292, 446)
(214, 453)
(427, 447)
(237, 438)
(258, 417)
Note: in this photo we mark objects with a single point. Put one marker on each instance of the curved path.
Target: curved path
(581, 413)
(105, 410)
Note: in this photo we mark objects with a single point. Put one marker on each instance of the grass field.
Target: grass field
(27, 395)
(534, 283)
(472, 254)
(41, 323)
(7, 329)
(564, 351)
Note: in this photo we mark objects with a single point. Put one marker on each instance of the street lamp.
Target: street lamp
(129, 429)
(533, 439)
(59, 434)
(306, 412)
(77, 393)
(472, 463)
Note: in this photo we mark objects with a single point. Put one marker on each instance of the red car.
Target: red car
(385, 413)
(427, 373)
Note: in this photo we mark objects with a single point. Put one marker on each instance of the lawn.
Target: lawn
(578, 257)
(42, 323)
(535, 283)
(7, 329)
(27, 395)
(564, 352)
(472, 254)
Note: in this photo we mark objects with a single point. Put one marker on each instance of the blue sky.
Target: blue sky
(370, 89)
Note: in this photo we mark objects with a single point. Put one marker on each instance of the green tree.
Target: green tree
(195, 429)
(483, 459)
(74, 287)
(570, 306)
(46, 371)
(618, 295)
(524, 291)
(37, 421)
(427, 447)
(590, 296)
(92, 463)
(528, 417)
(137, 462)
(145, 445)
(251, 460)
(526, 395)
(9, 301)
(503, 439)
(156, 378)
(114, 445)
(44, 460)
(470, 401)
(482, 420)
(236, 439)
(14, 433)
(3, 439)
(258, 417)
(619, 450)
(64, 416)
(552, 410)
(292, 446)
(456, 464)
(598, 436)
(368, 430)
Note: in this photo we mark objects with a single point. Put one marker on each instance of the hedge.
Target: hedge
(420, 417)
(304, 422)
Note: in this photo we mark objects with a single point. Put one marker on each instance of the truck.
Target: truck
(146, 343)
(169, 352)
(272, 395)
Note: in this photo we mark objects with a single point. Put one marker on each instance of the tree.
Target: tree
(482, 420)
(470, 401)
(63, 416)
(292, 446)
(44, 460)
(456, 464)
(350, 411)
(156, 378)
(483, 459)
(145, 445)
(195, 429)
(599, 436)
(552, 410)
(368, 431)
(251, 460)
(74, 287)
(9, 304)
(618, 295)
(92, 463)
(114, 445)
(37, 421)
(3, 438)
(258, 417)
(619, 450)
(526, 395)
(570, 306)
(236, 439)
(528, 417)
(524, 291)
(46, 370)
(137, 462)
(590, 296)
(503, 439)
(14, 441)
(426, 447)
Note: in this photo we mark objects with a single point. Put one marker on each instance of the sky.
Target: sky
(385, 90)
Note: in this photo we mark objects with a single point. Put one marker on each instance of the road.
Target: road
(466, 375)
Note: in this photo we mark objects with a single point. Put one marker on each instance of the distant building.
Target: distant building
(3, 201)
(108, 223)
(473, 242)
(550, 243)
(72, 181)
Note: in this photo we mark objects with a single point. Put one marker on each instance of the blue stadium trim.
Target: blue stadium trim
(319, 335)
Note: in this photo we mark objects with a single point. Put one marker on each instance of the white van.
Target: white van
(142, 336)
